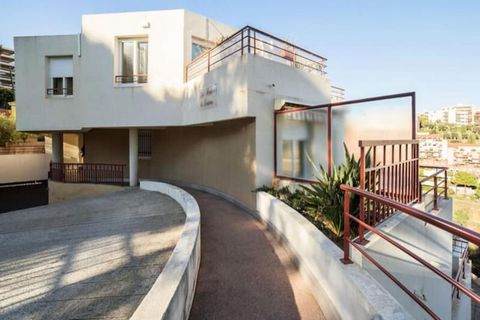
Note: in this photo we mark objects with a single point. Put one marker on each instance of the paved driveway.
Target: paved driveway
(92, 258)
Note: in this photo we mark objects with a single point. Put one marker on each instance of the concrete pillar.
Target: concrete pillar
(57, 147)
(133, 156)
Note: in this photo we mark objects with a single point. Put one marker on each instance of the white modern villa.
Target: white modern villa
(178, 97)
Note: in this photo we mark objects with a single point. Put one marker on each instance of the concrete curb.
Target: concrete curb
(171, 295)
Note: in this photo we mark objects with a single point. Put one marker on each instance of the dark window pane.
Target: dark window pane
(57, 86)
(69, 86)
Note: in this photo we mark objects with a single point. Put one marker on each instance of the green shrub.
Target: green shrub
(7, 131)
(324, 199)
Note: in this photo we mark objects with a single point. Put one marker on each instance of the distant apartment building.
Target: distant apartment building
(461, 114)
(458, 114)
(476, 118)
(7, 68)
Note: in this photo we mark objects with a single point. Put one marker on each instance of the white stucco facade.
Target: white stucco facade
(245, 86)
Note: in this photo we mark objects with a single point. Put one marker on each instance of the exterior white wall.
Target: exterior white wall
(243, 84)
(23, 167)
(428, 242)
(97, 101)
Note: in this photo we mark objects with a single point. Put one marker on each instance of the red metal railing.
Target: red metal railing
(460, 249)
(388, 168)
(249, 40)
(436, 221)
(87, 173)
(432, 184)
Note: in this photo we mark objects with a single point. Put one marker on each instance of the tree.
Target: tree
(6, 96)
(465, 179)
(472, 138)
(7, 131)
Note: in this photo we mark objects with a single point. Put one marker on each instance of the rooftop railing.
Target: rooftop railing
(445, 225)
(249, 40)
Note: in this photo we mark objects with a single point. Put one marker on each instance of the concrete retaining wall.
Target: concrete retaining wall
(342, 291)
(171, 295)
(23, 167)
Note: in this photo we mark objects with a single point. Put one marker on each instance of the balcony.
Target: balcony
(131, 79)
(59, 91)
(249, 40)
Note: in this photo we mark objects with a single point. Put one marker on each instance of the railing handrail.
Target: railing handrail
(437, 221)
(373, 143)
(249, 33)
(441, 223)
(108, 173)
(87, 164)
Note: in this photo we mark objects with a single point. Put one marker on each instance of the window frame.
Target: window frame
(51, 88)
(119, 65)
(207, 44)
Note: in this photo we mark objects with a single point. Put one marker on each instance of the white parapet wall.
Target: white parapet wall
(171, 295)
(342, 291)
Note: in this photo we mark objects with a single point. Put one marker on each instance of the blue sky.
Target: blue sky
(374, 47)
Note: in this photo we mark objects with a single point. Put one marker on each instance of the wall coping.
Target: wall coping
(171, 296)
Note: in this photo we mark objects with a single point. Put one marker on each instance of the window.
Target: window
(199, 46)
(144, 144)
(60, 76)
(133, 61)
(293, 158)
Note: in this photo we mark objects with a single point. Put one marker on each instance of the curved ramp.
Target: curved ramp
(91, 258)
(244, 273)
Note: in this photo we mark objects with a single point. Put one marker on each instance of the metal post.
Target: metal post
(329, 141)
(362, 200)
(435, 193)
(248, 40)
(242, 42)
(254, 41)
(445, 181)
(346, 228)
(208, 61)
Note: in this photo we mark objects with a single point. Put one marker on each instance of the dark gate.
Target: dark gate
(22, 195)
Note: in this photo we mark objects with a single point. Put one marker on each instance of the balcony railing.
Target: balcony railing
(132, 78)
(445, 225)
(338, 94)
(388, 168)
(98, 173)
(253, 41)
(460, 250)
(434, 185)
(59, 91)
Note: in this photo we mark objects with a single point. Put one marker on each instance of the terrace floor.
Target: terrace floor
(244, 272)
(91, 258)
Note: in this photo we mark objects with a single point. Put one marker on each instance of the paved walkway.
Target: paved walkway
(244, 273)
(91, 258)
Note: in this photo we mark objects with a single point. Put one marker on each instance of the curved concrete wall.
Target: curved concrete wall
(171, 295)
(342, 291)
